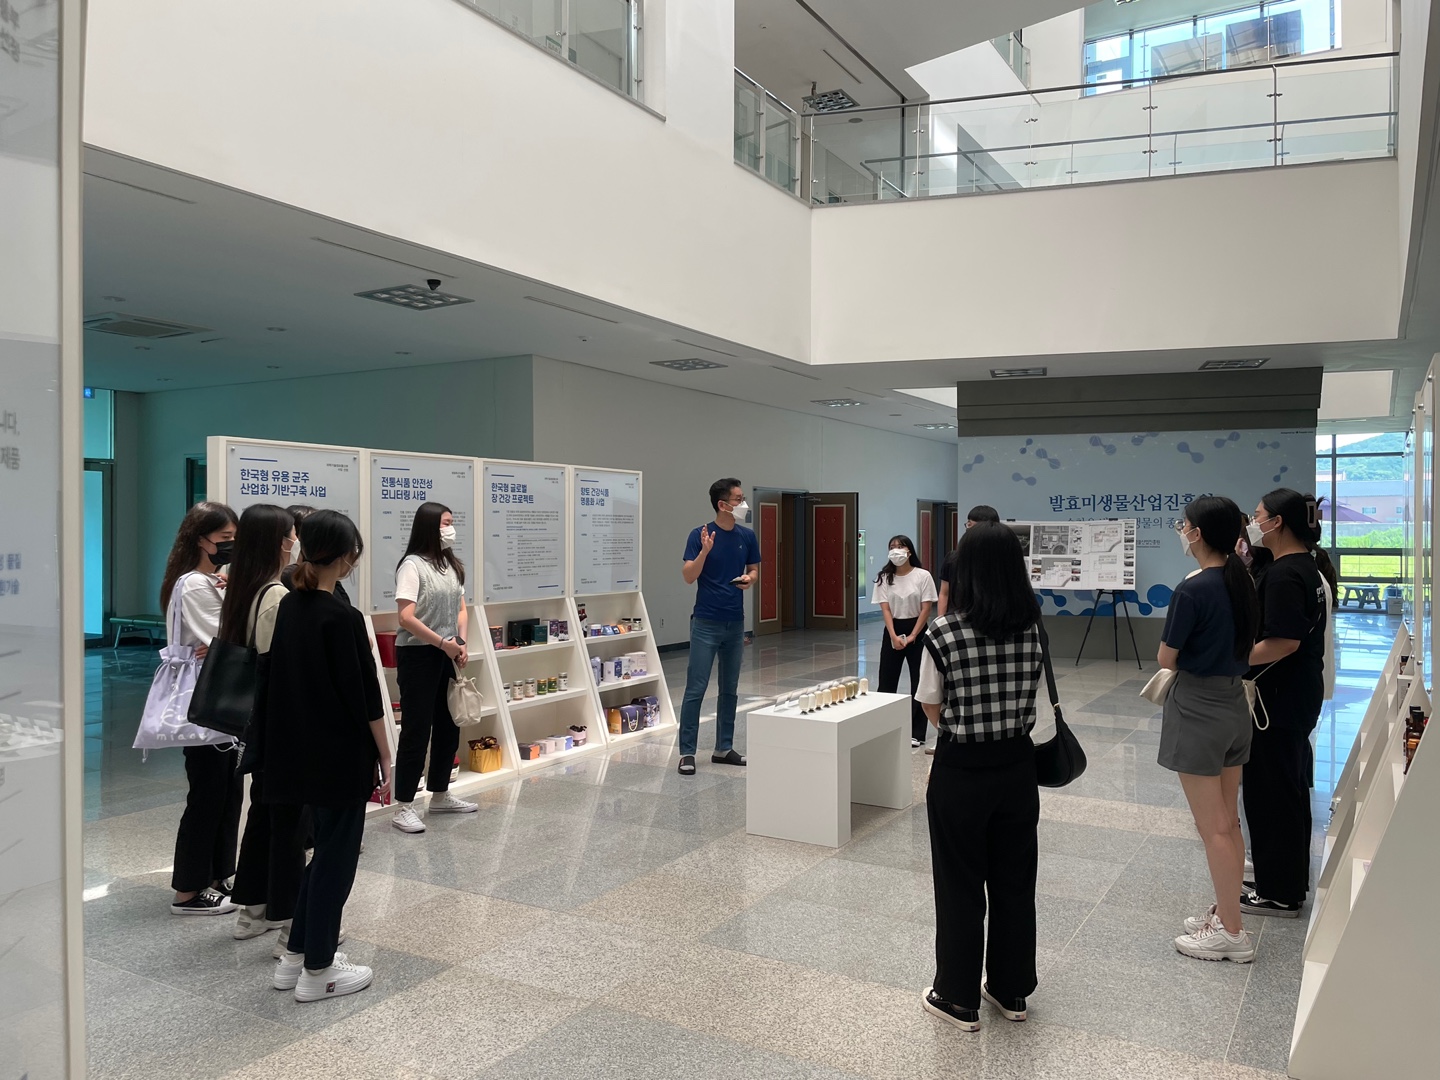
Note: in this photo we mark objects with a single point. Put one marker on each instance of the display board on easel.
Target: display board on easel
(1096, 556)
(607, 531)
(399, 485)
(524, 545)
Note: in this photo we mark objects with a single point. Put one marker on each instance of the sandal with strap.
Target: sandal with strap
(687, 765)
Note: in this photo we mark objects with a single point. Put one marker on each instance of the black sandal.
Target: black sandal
(687, 765)
(730, 757)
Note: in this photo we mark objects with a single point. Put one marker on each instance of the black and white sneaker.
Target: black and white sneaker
(935, 1005)
(205, 902)
(915, 744)
(1010, 1008)
(1252, 903)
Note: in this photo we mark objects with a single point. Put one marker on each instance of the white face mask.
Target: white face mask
(447, 535)
(899, 556)
(741, 512)
(1256, 534)
(1185, 542)
(293, 555)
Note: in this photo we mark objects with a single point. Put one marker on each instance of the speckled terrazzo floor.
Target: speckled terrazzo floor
(611, 919)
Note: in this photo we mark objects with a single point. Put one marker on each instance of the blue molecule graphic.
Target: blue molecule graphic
(1095, 440)
(1159, 595)
(979, 460)
(1195, 456)
(1283, 470)
(1219, 444)
(1144, 609)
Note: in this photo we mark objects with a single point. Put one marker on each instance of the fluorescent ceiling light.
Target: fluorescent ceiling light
(707, 348)
(1019, 372)
(937, 427)
(1355, 395)
(693, 363)
(837, 403)
(941, 395)
(1234, 365)
(414, 297)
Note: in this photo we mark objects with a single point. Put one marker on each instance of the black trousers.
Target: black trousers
(272, 856)
(1276, 789)
(425, 674)
(983, 839)
(210, 827)
(326, 883)
(891, 661)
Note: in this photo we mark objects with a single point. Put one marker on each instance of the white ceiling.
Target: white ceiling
(189, 251)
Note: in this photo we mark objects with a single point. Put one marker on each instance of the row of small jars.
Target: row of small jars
(826, 694)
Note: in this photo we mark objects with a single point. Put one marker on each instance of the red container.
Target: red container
(385, 641)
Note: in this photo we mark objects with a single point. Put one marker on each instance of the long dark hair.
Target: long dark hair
(257, 562)
(887, 572)
(203, 519)
(1301, 515)
(325, 536)
(425, 540)
(1221, 523)
(990, 587)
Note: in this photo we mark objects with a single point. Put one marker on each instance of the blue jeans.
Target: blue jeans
(708, 640)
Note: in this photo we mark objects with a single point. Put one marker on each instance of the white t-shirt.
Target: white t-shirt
(407, 580)
(200, 602)
(906, 593)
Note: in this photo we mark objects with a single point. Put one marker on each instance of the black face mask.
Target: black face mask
(224, 552)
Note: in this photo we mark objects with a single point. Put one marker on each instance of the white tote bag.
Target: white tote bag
(164, 723)
(464, 699)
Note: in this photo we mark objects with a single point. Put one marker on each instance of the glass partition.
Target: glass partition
(600, 37)
(768, 134)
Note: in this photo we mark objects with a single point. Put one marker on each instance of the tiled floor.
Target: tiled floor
(609, 918)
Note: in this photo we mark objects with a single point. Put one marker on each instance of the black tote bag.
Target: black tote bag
(224, 698)
(1060, 759)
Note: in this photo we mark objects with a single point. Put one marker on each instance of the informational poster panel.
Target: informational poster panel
(607, 531)
(524, 520)
(1086, 555)
(295, 476)
(399, 485)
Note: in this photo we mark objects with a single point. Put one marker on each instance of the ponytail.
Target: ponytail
(1244, 604)
(304, 577)
(1326, 568)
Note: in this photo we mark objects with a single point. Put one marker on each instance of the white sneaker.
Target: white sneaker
(292, 966)
(407, 820)
(282, 944)
(1195, 922)
(1248, 873)
(915, 744)
(1214, 942)
(205, 902)
(339, 979)
(252, 923)
(445, 803)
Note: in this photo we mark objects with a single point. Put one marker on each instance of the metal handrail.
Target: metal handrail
(1129, 84)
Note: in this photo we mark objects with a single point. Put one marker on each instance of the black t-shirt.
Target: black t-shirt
(1201, 625)
(1292, 605)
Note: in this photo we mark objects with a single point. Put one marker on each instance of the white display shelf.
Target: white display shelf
(504, 652)
(623, 684)
(612, 639)
(546, 699)
(633, 736)
(546, 760)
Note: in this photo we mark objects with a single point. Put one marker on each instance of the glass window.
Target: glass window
(1364, 481)
(99, 417)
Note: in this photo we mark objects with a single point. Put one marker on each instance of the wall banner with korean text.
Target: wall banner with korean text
(607, 531)
(524, 531)
(1147, 477)
(399, 485)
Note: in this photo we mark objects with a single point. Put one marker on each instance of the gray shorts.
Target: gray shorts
(1206, 724)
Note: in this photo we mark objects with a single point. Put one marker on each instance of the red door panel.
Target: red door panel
(769, 562)
(829, 532)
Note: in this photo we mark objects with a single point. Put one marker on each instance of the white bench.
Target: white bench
(806, 769)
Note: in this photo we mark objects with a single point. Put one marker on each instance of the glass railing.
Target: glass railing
(1015, 54)
(1300, 112)
(767, 134)
(600, 37)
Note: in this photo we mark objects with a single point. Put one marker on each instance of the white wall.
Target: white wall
(431, 123)
(1226, 259)
(684, 439)
(1416, 30)
(1056, 46)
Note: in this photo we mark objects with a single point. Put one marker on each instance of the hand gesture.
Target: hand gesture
(707, 539)
(454, 650)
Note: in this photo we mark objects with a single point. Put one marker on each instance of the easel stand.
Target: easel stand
(1117, 598)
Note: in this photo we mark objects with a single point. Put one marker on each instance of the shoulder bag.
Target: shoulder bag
(463, 697)
(224, 698)
(1059, 760)
(165, 721)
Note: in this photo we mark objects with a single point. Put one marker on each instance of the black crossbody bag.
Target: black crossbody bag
(1059, 760)
(224, 698)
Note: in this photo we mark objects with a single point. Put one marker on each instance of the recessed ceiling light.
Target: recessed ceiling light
(276, 329)
(142, 348)
(114, 299)
(1019, 373)
(273, 367)
(164, 380)
(829, 101)
(937, 427)
(414, 297)
(837, 403)
(401, 352)
(694, 363)
(895, 414)
(1233, 365)
(856, 120)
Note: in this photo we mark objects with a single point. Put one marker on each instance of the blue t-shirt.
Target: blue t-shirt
(1200, 624)
(715, 598)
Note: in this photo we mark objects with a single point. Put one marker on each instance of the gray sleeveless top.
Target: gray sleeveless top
(438, 605)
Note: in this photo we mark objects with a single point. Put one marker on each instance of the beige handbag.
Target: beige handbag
(1158, 688)
(463, 697)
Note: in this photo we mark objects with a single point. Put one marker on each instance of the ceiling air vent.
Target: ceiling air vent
(829, 101)
(414, 297)
(138, 326)
(937, 427)
(693, 363)
(837, 402)
(1233, 365)
(1019, 372)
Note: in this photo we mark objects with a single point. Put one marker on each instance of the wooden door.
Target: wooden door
(925, 528)
(770, 532)
(830, 560)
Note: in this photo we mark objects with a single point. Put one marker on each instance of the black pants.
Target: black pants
(209, 828)
(272, 856)
(892, 660)
(326, 883)
(983, 824)
(425, 674)
(1276, 789)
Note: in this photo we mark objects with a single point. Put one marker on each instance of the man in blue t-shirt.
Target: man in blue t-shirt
(722, 560)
